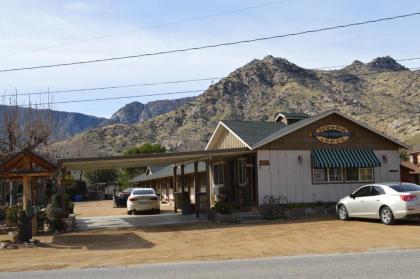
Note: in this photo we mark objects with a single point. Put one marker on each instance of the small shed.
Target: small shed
(26, 166)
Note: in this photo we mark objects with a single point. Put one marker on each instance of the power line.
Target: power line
(150, 27)
(212, 45)
(191, 91)
(112, 87)
(122, 97)
(172, 82)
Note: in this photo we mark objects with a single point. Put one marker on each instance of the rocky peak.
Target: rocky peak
(386, 63)
(129, 113)
(356, 66)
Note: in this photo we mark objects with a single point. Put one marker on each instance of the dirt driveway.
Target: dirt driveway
(208, 242)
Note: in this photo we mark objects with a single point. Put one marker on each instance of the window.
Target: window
(362, 192)
(218, 174)
(352, 174)
(242, 179)
(335, 175)
(376, 190)
(366, 174)
(320, 175)
(143, 192)
(405, 187)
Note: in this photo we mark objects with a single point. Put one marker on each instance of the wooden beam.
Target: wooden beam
(174, 185)
(196, 190)
(182, 178)
(208, 192)
(26, 199)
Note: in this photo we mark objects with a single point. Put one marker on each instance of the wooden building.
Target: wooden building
(305, 159)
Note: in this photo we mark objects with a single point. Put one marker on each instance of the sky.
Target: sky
(49, 32)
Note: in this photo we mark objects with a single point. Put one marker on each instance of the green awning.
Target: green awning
(344, 157)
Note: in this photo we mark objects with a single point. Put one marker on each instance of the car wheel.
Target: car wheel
(130, 212)
(386, 216)
(342, 213)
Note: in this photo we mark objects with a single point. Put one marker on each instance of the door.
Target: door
(356, 205)
(372, 203)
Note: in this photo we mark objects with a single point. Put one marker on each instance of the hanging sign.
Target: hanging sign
(332, 134)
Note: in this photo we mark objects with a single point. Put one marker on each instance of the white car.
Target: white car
(143, 199)
(385, 201)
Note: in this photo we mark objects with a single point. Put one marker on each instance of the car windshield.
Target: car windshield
(143, 192)
(405, 187)
(128, 190)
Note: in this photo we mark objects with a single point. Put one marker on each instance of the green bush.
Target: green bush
(55, 217)
(56, 203)
(273, 207)
(2, 213)
(222, 207)
(12, 215)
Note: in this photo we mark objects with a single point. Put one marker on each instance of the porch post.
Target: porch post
(174, 186)
(208, 188)
(182, 179)
(196, 190)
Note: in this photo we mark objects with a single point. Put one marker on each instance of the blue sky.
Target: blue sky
(30, 25)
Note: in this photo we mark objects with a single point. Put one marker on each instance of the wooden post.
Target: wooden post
(174, 186)
(196, 190)
(182, 178)
(208, 192)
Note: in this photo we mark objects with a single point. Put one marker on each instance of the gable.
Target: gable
(303, 137)
(224, 139)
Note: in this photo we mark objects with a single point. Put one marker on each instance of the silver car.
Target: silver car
(386, 201)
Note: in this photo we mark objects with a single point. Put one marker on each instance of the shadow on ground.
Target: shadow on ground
(100, 241)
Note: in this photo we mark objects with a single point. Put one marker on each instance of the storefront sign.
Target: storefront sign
(332, 134)
(263, 163)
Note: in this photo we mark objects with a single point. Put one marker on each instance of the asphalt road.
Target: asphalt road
(383, 264)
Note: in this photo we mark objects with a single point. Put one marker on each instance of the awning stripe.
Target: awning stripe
(344, 157)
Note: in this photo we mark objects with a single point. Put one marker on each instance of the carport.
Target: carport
(176, 159)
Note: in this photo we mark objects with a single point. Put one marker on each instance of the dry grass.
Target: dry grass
(208, 242)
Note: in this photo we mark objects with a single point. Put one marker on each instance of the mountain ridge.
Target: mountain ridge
(387, 100)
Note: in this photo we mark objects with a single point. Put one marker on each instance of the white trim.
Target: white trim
(230, 131)
(280, 133)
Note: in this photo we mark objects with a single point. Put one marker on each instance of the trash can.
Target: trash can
(181, 199)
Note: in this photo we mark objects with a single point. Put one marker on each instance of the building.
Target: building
(304, 159)
(414, 155)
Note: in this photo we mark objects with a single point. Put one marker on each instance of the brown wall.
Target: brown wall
(360, 137)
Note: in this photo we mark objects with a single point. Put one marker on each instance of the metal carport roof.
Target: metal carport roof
(144, 160)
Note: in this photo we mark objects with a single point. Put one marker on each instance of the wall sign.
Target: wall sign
(332, 134)
(263, 163)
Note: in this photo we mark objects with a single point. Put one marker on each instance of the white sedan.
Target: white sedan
(385, 201)
(143, 199)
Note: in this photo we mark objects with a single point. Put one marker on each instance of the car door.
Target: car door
(372, 203)
(356, 204)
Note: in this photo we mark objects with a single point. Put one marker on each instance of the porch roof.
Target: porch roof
(144, 160)
(167, 171)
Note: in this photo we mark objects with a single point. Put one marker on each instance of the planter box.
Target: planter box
(70, 223)
(314, 211)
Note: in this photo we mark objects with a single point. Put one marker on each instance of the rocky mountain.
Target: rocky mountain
(382, 93)
(65, 124)
(137, 112)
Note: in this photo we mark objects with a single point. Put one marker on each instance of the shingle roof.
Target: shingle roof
(253, 131)
(167, 171)
(294, 114)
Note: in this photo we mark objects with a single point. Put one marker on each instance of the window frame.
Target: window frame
(343, 176)
(244, 173)
(220, 165)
